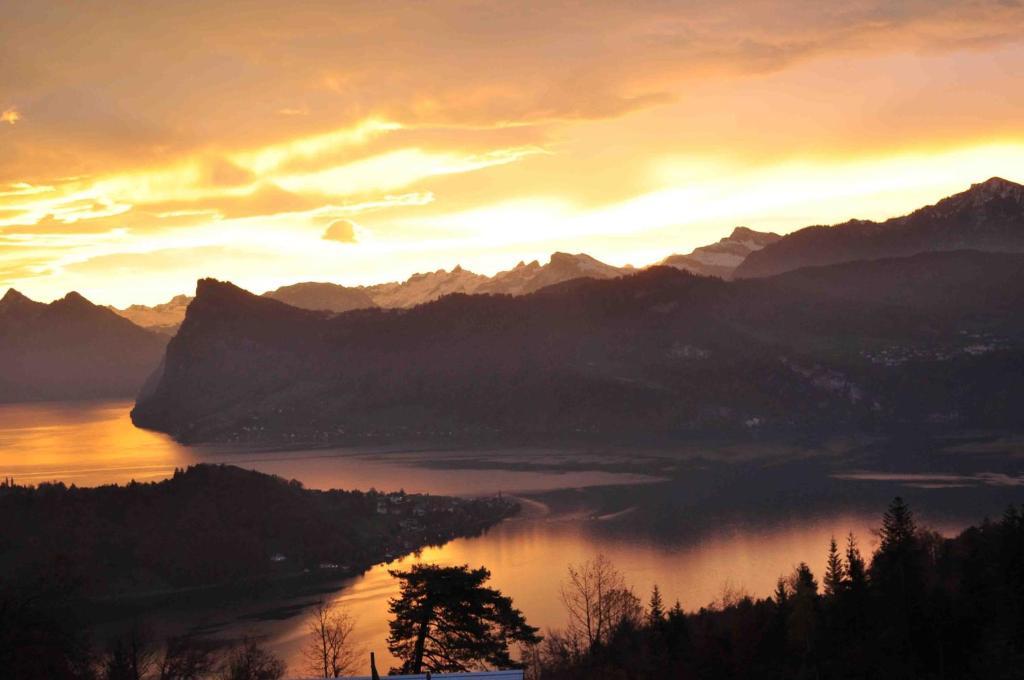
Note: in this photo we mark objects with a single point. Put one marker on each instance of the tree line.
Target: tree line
(921, 607)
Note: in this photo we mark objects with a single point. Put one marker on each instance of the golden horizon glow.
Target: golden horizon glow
(335, 143)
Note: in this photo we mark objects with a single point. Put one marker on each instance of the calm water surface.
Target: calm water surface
(93, 443)
(699, 526)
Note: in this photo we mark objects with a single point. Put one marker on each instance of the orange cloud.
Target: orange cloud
(482, 132)
(487, 64)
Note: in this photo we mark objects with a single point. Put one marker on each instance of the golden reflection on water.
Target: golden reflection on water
(528, 558)
(93, 443)
(86, 443)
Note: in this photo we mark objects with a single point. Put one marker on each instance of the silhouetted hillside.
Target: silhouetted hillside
(922, 339)
(989, 216)
(212, 524)
(71, 349)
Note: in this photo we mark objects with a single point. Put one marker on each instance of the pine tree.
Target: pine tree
(897, 576)
(781, 593)
(656, 608)
(802, 622)
(897, 565)
(855, 569)
(898, 528)
(804, 583)
(446, 619)
(835, 575)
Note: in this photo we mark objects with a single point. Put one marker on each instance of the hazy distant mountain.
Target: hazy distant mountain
(71, 349)
(420, 288)
(329, 297)
(527, 278)
(912, 340)
(521, 279)
(164, 317)
(989, 216)
(416, 290)
(721, 259)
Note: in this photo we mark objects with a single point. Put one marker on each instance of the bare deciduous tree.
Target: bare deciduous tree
(250, 661)
(129, 657)
(597, 600)
(329, 651)
(186, 658)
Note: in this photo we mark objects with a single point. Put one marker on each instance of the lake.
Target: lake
(704, 520)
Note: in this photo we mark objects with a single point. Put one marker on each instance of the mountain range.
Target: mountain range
(416, 290)
(71, 349)
(328, 297)
(933, 337)
(163, 318)
(722, 258)
(989, 216)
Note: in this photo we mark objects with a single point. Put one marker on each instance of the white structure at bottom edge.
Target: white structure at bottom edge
(482, 675)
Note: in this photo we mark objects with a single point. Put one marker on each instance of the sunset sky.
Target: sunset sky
(144, 145)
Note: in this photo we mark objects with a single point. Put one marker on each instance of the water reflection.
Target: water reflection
(719, 522)
(528, 559)
(85, 443)
(93, 443)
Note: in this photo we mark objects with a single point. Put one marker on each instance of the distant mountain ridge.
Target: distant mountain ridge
(424, 287)
(522, 279)
(71, 349)
(722, 258)
(328, 297)
(932, 337)
(416, 290)
(165, 317)
(561, 267)
(989, 216)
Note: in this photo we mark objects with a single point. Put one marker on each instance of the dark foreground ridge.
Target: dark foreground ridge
(921, 606)
(216, 524)
(935, 338)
